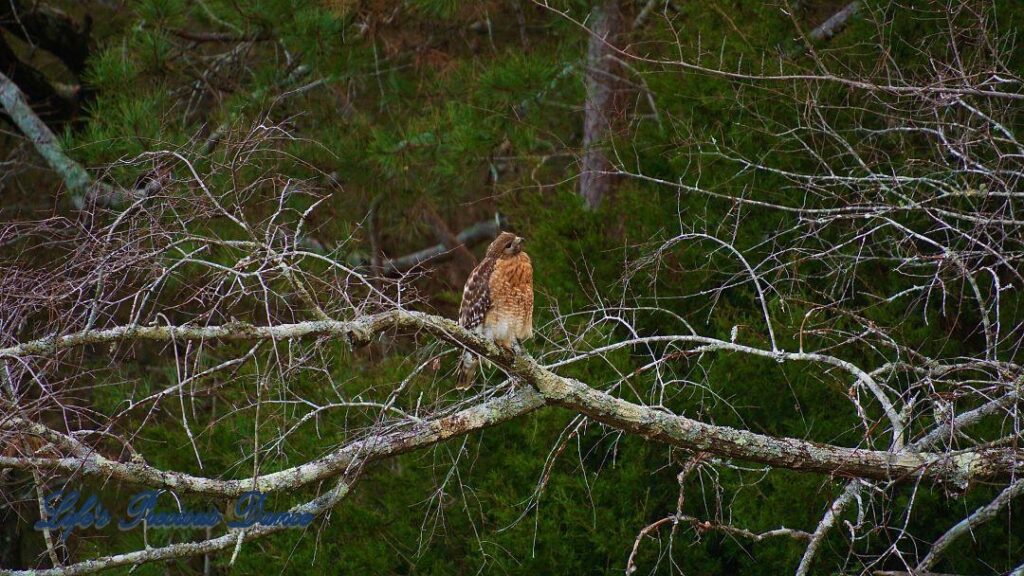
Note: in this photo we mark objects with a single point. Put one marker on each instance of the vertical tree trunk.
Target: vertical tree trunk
(600, 107)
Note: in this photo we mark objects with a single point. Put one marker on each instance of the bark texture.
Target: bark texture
(601, 109)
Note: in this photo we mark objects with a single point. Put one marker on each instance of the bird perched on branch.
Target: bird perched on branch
(497, 301)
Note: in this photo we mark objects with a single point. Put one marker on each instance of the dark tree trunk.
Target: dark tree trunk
(45, 27)
(47, 102)
(50, 29)
(601, 109)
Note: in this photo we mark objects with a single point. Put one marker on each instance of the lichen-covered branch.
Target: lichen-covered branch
(957, 468)
(370, 449)
(13, 102)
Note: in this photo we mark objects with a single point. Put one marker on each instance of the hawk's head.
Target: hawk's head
(505, 245)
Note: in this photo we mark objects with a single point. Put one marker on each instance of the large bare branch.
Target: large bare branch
(957, 468)
(375, 447)
(164, 281)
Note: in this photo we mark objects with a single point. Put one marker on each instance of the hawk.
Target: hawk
(497, 302)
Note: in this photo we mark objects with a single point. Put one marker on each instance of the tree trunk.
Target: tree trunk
(50, 29)
(601, 108)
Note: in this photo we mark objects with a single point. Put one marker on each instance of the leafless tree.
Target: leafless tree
(934, 233)
(217, 284)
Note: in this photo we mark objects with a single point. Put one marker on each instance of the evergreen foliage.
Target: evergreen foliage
(475, 108)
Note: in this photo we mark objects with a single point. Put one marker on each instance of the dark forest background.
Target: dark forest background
(420, 119)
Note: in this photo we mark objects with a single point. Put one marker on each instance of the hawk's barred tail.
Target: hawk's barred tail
(467, 371)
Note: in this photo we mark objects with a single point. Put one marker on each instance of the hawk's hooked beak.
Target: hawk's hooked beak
(519, 241)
